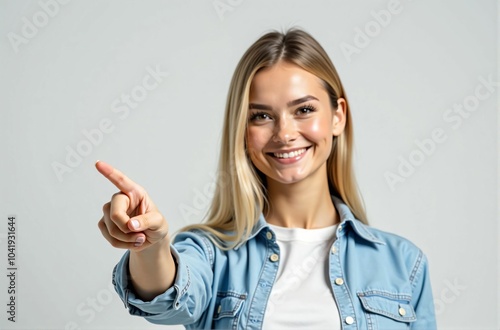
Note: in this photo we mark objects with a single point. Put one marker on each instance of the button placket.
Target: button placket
(266, 280)
(340, 287)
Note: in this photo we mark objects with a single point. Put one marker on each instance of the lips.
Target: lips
(291, 153)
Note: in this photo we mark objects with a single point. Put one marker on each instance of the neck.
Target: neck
(306, 204)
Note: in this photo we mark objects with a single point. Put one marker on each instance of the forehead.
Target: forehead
(284, 78)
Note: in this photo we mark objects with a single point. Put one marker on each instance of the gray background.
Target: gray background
(68, 76)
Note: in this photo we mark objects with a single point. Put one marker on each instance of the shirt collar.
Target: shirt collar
(347, 219)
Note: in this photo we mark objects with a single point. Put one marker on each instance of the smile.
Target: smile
(291, 154)
(289, 157)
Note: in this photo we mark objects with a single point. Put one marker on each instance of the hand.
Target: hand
(131, 220)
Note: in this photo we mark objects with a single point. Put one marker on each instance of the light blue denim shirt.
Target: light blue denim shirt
(379, 280)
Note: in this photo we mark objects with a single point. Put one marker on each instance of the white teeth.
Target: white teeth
(290, 154)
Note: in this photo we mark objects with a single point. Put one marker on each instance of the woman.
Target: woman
(286, 242)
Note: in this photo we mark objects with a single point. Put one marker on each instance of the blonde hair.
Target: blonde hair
(240, 193)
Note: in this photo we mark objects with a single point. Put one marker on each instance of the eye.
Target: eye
(306, 109)
(259, 116)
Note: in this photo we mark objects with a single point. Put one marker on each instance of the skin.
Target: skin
(298, 191)
(151, 264)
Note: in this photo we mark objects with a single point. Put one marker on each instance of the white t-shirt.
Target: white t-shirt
(301, 297)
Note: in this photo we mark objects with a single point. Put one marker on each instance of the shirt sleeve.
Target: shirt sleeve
(186, 300)
(423, 301)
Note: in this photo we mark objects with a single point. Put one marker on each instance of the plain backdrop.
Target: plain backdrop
(422, 81)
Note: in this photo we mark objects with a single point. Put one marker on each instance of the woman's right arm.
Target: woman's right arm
(132, 221)
(152, 271)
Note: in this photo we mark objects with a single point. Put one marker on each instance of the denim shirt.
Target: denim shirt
(379, 280)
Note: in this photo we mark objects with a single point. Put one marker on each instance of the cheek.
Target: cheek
(319, 129)
(256, 139)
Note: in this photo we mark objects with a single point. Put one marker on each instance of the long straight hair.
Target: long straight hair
(240, 193)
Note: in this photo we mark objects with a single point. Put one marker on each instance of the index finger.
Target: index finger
(120, 180)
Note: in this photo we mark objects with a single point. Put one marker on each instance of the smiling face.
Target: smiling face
(291, 124)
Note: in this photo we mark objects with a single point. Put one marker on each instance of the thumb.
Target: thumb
(148, 221)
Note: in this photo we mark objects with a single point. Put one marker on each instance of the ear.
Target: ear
(339, 117)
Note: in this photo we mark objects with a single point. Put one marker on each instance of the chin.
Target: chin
(288, 178)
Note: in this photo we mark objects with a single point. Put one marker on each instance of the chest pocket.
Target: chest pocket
(228, 306)
(387, 310)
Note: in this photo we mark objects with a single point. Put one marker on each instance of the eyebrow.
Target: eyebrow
(289, 104)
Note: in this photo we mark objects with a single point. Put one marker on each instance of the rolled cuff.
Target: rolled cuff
(160, 306)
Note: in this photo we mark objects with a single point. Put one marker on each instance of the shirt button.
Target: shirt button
(219, 309)
(269, 235)
(402, 311)
(274, 257)
(349, 320)
(339, 281)
(334, 249)
(340, 227)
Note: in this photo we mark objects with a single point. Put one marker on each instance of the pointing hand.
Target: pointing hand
(131, 220)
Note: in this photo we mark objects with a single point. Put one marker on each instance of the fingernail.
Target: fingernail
(139, 241)
(135, 224)
(97, 161)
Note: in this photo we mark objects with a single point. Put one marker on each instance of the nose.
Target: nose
(284, 131)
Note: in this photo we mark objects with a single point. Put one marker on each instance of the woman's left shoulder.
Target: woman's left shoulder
(390, 237)
(393, 250)
(394, 241)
